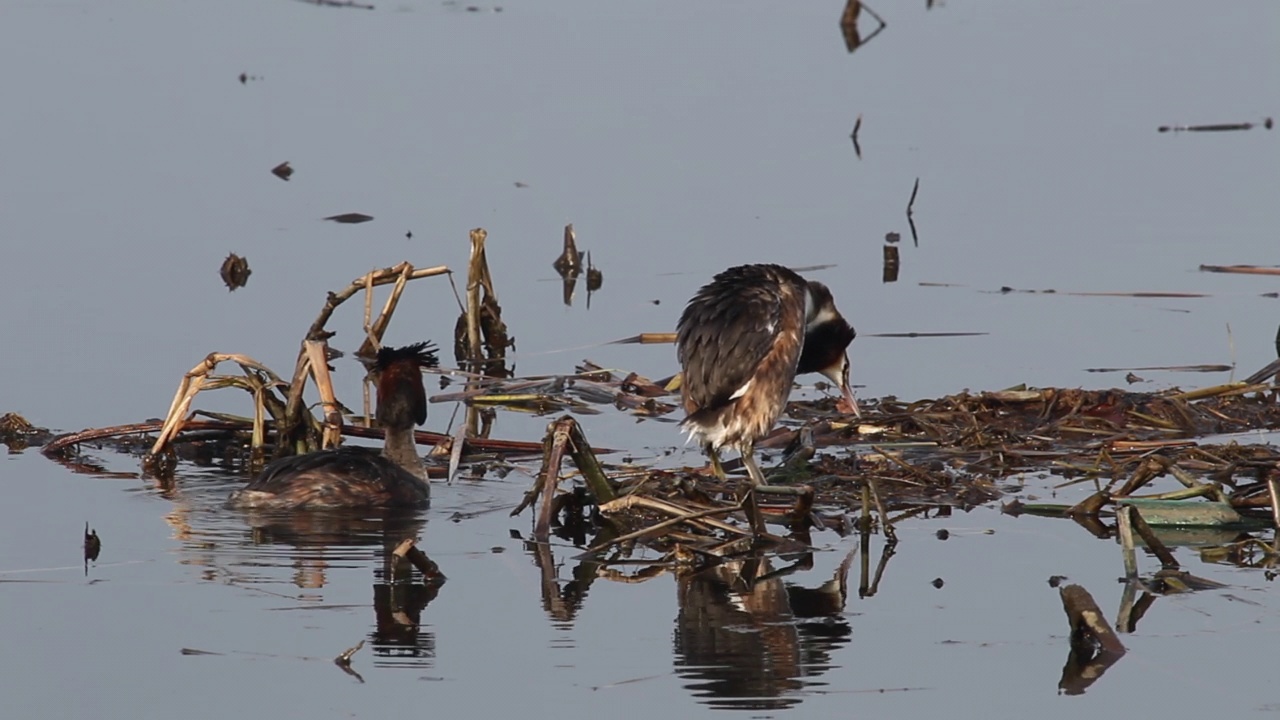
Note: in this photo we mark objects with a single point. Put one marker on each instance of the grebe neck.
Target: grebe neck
(401, 449)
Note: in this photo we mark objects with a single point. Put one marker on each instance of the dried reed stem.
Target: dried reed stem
(318, 361)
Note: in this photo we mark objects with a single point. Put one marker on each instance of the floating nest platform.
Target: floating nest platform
(900, 459)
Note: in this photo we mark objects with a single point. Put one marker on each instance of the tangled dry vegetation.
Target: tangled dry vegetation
(900, 459)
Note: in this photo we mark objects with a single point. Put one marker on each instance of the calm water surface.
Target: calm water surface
(679, 138)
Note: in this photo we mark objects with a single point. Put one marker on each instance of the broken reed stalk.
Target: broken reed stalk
(1273, 487)
(1240, 269)
(376, 277)
(1089, 627)
(658, 527)
(585, 458)
(652, 338)
(1157, 548)
(1090, 506)
(318, 360)
(293, 427)
(564, 435)
(477, 269)
(344, 658)
(886, 527)
(1124, 527)
(1149, 469)
(63, 442)
(258, 379)
(459, 441)
(365, 391)
(557, 439)
(915, 471)
(408, 550)
(375, 330)
(667, 508)
(1218, 390)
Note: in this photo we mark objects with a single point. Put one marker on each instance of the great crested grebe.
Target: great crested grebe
(741, 341)
(349, 477)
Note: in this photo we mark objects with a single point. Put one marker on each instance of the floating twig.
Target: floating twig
(350, 218)
(344, 661)
(1220, 127)
(1241, 269)
(407, 549)
(1166, 368)
(345, 657)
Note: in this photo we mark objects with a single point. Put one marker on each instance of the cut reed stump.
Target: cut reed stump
(1094, 645)
(1090, 631)
(564, 435)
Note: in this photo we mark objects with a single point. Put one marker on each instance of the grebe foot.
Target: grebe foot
(717, 467)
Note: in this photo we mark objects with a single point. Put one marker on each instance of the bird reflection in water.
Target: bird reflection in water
(399, 594)
(745, 639)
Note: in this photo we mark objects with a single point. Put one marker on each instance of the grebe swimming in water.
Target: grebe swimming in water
(352, 476)
(741, 341)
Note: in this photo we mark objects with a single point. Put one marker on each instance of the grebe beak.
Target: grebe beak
(839, 374)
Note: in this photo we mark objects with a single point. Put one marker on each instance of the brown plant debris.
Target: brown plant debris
(481, 339)
(18, 433)
(1267, 123)
(1241, 269)
(849, 29)
(914, 458)
(1094, 645)
(92, 546)
(235, 272)
(350, 218)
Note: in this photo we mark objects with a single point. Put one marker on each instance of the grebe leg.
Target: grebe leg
(749, 459)
(750, 504)
(716, 466)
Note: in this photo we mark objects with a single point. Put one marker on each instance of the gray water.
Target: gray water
(679, 139)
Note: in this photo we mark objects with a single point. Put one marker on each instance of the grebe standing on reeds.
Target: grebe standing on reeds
(741, 341)
(351, 476)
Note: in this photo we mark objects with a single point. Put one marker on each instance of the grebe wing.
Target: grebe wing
(732, 325)
(346, 477)
(345, 460)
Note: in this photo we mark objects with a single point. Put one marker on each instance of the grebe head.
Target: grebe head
(826, 340)
(402, 394)
(839, 374)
